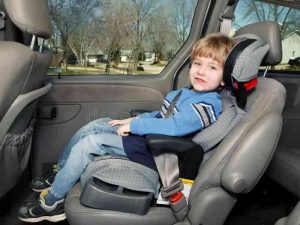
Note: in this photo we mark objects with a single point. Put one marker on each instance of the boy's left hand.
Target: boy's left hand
(120, 122)
(124, 130)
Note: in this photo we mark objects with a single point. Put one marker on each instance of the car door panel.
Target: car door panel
(289, 140)
(77, 103)
(51, 114)
(291, 112)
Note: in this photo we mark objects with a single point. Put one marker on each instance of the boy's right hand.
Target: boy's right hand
(119, 122)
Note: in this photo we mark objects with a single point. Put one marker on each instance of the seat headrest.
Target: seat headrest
(268, 31)
(30, 16)
(256, 44)
(242, 65)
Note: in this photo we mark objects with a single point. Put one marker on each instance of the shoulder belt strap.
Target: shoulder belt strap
(170, 110)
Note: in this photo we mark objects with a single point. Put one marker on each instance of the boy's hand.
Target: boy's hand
(124, 130)
(120, 122)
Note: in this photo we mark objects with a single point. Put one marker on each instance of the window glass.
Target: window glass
(250, 11)
(96, 37)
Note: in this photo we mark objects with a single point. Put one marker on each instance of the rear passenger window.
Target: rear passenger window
(108, 37)
(250, 11)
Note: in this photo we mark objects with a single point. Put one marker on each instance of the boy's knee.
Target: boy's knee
(84, 144)
(93, 140)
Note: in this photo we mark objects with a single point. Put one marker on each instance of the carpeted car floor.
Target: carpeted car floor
(12, 201)
(264, 205)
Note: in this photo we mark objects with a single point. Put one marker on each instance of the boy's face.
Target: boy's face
(206, 74)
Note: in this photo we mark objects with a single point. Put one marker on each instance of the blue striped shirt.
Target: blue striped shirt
(193, 111)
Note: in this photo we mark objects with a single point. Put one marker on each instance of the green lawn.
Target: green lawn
(99, 69)
(149, 69)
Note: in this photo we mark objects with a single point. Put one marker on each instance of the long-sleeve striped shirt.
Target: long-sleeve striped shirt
(193, 111)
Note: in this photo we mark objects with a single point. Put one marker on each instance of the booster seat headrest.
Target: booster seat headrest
(242, 65)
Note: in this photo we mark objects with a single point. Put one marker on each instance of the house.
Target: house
(96, 56)
(125, 55)
(149, 56)
(291, 46)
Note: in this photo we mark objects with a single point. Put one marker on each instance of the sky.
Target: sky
(242, 8)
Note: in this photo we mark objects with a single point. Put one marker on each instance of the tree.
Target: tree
(159, 33)
(67, 16)
(83, 40)
(259, 11)
(115, 29)
(142, 10)
(113, 25)
(181, 19)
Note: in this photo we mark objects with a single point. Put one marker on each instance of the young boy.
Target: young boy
(196, 107)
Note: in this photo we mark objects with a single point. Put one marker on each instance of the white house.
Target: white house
(94, 56)
(125, 55)
(290, 46)
(149, 56)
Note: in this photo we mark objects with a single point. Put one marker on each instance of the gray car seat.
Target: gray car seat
(234, 166)
(22, 82)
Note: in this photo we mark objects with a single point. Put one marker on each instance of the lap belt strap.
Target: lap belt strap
(167, 166)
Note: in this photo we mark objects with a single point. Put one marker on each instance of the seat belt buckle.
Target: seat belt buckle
(172, 189)
(179, 206)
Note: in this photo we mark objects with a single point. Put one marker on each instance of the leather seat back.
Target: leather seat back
(22, 82)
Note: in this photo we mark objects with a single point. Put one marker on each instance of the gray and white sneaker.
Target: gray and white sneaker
(39, 211)
(45, 182)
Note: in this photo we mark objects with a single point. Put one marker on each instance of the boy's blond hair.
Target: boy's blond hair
(214, 45)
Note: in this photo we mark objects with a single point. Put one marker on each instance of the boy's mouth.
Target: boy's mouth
(199, 80)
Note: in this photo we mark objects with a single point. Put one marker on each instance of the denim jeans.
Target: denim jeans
(95, 127)
(95, 138)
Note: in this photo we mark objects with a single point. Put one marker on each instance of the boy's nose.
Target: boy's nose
(201, 70)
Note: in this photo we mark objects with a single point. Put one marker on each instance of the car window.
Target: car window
(250, 11)
(97, 37)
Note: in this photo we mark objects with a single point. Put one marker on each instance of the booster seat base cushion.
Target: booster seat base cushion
(101, 195)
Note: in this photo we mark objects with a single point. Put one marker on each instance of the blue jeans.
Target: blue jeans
(95, 127)
(95, 138)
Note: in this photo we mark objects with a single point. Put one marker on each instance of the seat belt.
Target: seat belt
(226, 20)
(2, 25)
(170, 110)
(168, 169)
(167, 163)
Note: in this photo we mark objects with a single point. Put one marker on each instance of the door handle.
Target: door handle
(46, 112)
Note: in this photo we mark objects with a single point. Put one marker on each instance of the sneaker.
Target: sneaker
(45, 182)
(39, 211)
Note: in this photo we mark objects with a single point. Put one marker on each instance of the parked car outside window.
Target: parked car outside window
(294, 61)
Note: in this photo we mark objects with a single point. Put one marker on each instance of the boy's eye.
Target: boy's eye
(196, 63)
(213, 67)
